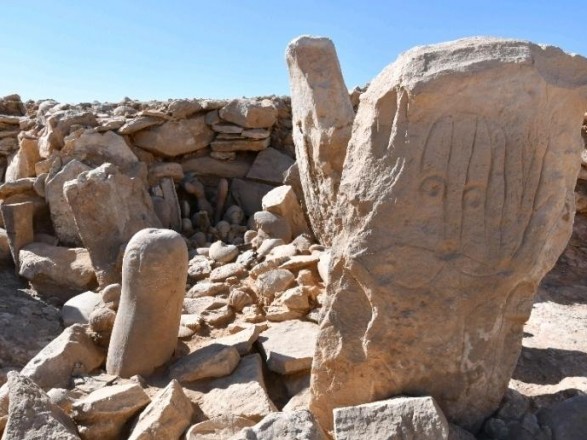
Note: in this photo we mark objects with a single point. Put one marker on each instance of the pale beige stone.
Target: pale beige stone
(456, 198)
(22, 163)
(283, 201)
(322, 120)
(95, 148)
(103, 414)
(289, 346)
(409, 418)
(270, 283)
(222, 146)
(18, 223)
(32, 416)
(166, 417)
(214, 360)
(270, 166)
(291, 425)
(250, 113)
(72, 352)
(218, 428)
(154, 273)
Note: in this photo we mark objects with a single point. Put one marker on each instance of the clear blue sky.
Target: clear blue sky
(105, 50)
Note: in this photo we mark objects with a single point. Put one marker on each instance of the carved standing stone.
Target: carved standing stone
(322, 120)
(154, 274)
(456, 198)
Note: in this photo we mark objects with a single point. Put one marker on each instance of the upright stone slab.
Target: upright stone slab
(322, 121)
(154, 273)
(456, 198)
(18, 221)
(109, 208)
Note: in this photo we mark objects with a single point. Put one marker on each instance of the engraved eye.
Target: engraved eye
(473, 197)
(433, 186)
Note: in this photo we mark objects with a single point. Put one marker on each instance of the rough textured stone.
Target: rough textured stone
(125, 208)
(59, 271)
(213, 360)
(248, 195)
(242, 394)
(103, 414)
(223, 253)
(138, 124)
(567, 420)
(270, 283)
(208, 166)
(175, 138)
(18, 221)
(289, 346)
(409, 418)
(273, 225)
(270, 166)
(282, 201)
(94, 149)
(228, 270)
(32, 416)
(61, 214)
(227, 146)
(453, 200)
(249, 113)
(154, 273)
(294, 425)
(322, 120)
(72, 352)
(22, 163)
(166, 417)
(222, 427)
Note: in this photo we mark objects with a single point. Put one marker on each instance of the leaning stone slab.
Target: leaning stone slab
(103, 413)
(293, 425)
(109, 208)
(289, 346)
(270, 166)
(154, 273)
(242, 394)
(32, 416)
(456, 195)
(18, 222)
(166, 417)
(72, 352)
(214, 360)
(282, 201)
(322, 115)
(409, 418)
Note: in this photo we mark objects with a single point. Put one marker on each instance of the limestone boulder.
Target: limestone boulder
(208, 166)
(282, 201)
(410, 418)
(273, 225)
(32, 416)
(289, 346)
(103, 414)
(175, 138)
(322, 115)
(166, 417)
(124, 209)
(218, 428)
(270, 166)
(78, 309)
(55, 270)
(154, 274)
(273, 282)
(18, 224)
(72, 352)
(94, 149)
(213, 360)
(456, 198)
(249, 113)
(248, 195)
(58, 125)
(61, 213)
(292, 425)
(22, 163)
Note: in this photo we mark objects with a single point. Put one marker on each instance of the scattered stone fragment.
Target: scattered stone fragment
(18, 223)
(196, 306)
(20, 186)
(72, 352)
(219, 317)
(206, 288)
(104, 413)
(283, 201)
(566, 419)
(32, 416)
(77, 310)
(214, 360)
(22, 163)
(322, 116)
(239, 299)
(140, 123)
(298, 262)
(239, 145)
(241, 394)
(274, 226)
(94, 149)
(295, 298)
(221, 427)
(270, 166)
(292, 425)
(402, 417)
(160, 170)
(228, 270)
(154, 274)
(268, 284)
(280, 313)
(166, 417)
(183, 108)
(289, 346)
(223, 253)
(209, 166)
(248, 194)
(59, 271)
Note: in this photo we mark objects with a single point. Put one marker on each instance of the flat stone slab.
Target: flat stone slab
(289, 346)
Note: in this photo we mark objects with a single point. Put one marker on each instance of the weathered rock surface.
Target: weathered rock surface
(125, 208)
(294, 425)
(289, 346)
(32, 416)
(59, 271)
(72, 352)
(94, 149)
(166, 417)
(409, 418)
(18, 221)
(22, 163)
(213, 360)
(154, 273)
(61, 214)
(103, 414)
(567, 420)
(283, 201)
(322, 121)
(435, 171)
(249, 113)
(222, 427)
(78, 309)
(270, 166)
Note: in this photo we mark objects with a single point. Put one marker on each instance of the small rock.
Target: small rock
(293, 425)
(213, 360)
(221, 427)
(223, 253)
(273, 225)
(272, 282)
(250, 113)
(199, 268)
(207, 288)
(77, 310)
(228, 270)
